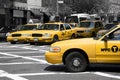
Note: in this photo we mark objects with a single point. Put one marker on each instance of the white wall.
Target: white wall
(34, 4)
(20, 4)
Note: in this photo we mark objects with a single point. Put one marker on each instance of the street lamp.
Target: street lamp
(59, 2)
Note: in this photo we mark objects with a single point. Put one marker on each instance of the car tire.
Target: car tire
(76, 62)
(93, 34)
(73, 36)
(55, 38)
(32, 43)
(13, 42)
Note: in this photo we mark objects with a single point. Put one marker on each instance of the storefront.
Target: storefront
(42, 16)
(2, 17)
(18, 17)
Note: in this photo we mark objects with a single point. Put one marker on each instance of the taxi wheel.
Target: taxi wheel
(55, 39)
(93, 34)
(73, 36)
(32, 43)
(13, 42)
(76, 62)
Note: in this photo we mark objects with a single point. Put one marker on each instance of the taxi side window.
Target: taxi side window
(67, 26)
(115, 35)
(61, 27)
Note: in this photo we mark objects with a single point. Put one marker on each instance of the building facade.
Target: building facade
(114, 10)
(12, 13)
(36, 10)
(18, 12)
(5, 13)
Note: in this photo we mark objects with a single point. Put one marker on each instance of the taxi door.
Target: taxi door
(108, 51)
(68, 31)
(62, 32)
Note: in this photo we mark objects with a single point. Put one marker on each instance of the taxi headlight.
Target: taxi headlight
(46, 35)
(55, 49)
(26, 35)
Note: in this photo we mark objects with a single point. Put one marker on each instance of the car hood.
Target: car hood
(44, 31)
(23, 32)
(75, 42)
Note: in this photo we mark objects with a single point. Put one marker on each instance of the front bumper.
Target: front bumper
(36, 39)
(54, 58)
(17, 39)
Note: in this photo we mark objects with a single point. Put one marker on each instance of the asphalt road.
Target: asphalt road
(27, 62)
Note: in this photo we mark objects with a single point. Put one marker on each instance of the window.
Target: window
(61, 27)
(67, 26)
(115, 35)
(87, 24)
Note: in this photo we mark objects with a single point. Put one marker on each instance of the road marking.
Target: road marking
(26, 47)
(24, 57)
(29, 47)
(107, 75)
(20, 57)
(11, 76)
(10, 49)
(48, 73)
(26, 52)
(20, 63)
(62, 73)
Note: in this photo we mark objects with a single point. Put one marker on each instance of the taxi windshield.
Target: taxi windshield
(49, 27)
(28, 27)
(87, 24)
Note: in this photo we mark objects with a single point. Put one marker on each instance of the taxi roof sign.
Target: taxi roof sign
(31, 21)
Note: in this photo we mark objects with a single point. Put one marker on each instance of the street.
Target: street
(27, 62)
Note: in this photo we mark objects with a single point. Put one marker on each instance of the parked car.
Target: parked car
(52, 32)
(22, 33)
(3, 33)
(89, 28)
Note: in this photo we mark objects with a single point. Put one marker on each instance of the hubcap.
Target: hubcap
(76, 62)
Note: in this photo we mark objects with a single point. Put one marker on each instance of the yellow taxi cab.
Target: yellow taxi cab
(77, 54)
(23, 32)
(52, 32)
(89, 28)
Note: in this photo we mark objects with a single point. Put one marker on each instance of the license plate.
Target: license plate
(35, 39)
(15, 39)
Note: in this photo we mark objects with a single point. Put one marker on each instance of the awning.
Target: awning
(36, 13)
